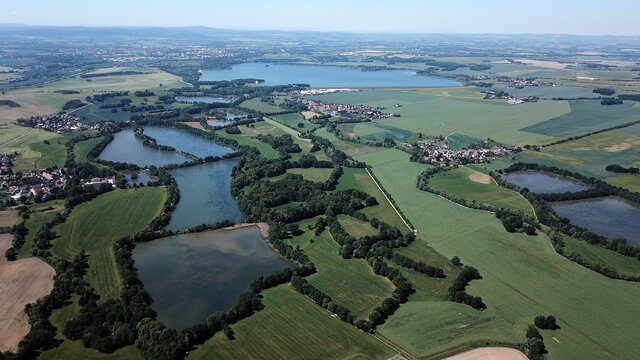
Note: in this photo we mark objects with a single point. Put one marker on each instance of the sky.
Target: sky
(585, 17)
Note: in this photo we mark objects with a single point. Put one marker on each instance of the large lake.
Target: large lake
(127, 148)
(609, 216)
(191, 276)
(543, 183)
(325, 76)
(205, 195)
(185, 141)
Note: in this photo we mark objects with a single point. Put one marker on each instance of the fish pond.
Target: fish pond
(325, 76)
(127, 148)
(191, 276)
(610, 216)
(185, 141)
(541, 182)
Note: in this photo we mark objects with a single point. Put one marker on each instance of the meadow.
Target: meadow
(261, 106)
(19, 140)
(311, 174)
(522, 277)
(599, 255)
(54, 154)
(82, 148)
(34, 223)
(95, 225)
(355, 227)
(248, 137)
(459, 183)
(288, 320)
(293, 119)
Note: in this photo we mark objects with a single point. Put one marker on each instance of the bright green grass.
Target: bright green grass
(261, 106)
(311, 174)
(83, 148)
(73, 350)
(294, 133)
(522, 277)
(456, 182)
(375, 131)
(19, 140)
(34, 223)
(349, 282)
(350, 148)
(600, 255)
(442, 114)
(291, 326)
(95, 225)
(585, 116)
(55, 153)
(248, 137)
(293, 119)
(358, 179)
(355, 227)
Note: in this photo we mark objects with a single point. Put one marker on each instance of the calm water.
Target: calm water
(324, 76)
(184, 141)
(205, 195)
(203, 99)
(609, 216)
(191, 276)
(143, 177)
(126, 148)
(544, 183)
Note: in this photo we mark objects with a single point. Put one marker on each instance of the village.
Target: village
(59, 123)
(513, 100)
(439, 153)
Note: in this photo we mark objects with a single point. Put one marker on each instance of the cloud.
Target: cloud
(13, 12)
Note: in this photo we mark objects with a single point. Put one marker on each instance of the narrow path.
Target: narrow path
(17, 138)
(388, 200)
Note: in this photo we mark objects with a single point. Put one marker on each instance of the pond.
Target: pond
(205, 195)
(325, 76)
(185, 141)
(141, 177)
(203, 99)
(611, 216)
(126, 148)
(541, 182)
(190, 276)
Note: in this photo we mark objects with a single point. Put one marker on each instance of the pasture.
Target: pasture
(455, 111)
(55, 152)
(95, 225)
(349, 282)
(82, 148)
(355, 227)
(374, 131)
(248, 137)
(258, 105)
(460, 183)
(522, 277)
(34, 223)
(599, 255)
(293, 119)
(292, 326)
(311, 174)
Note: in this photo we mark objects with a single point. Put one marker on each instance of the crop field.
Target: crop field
(259, 105)
(349, 282)
(291, 326)
(94, 113)
(585, 116)
(627, 181)
(590, 155)
(458, 112)
(461, 184)
(356, 227)
(55, 153)
(600, 255)
(459, 141)
(374, 131)
(522, 277)
(34, 223)
(248, 137)
(293, 119)
(350, 148)
(359, 179)
(82, 149)
(19, 140)
(95, 225)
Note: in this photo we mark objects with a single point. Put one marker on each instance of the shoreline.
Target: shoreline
(264, 228)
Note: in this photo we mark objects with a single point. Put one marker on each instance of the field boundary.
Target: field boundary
(388, 200)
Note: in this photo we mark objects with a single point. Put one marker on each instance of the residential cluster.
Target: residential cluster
(511, 99)
(345, 109)
(36, 183)
(60, 123)
(519, 83)
(440, 154)
(321, 91)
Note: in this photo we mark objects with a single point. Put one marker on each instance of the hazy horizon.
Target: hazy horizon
(617, 17)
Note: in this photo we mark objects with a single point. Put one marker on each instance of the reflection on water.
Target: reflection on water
(540, 182)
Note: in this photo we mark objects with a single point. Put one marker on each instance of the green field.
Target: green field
(458, 183)
(311, 174)
(291, 326)
(19, 140)
(355, 227)
(586, 116)
(522, 277)
(293, 119)
(460, 111)
(351, 282)
(261, 106)
(599, 255)
(358, 179)
(374, 131)
(95, 225)
(34, 223)
(627, 181)
(350, 148)
(82, 149)
(247, 137)
(55, 153)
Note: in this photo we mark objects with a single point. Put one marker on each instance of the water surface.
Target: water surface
(541, 182)
(324, 76)
(205, 195)
(203, 99)
(143, 177)
(126, 148)
(610, 216)
(185, 141)
(191, 276)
